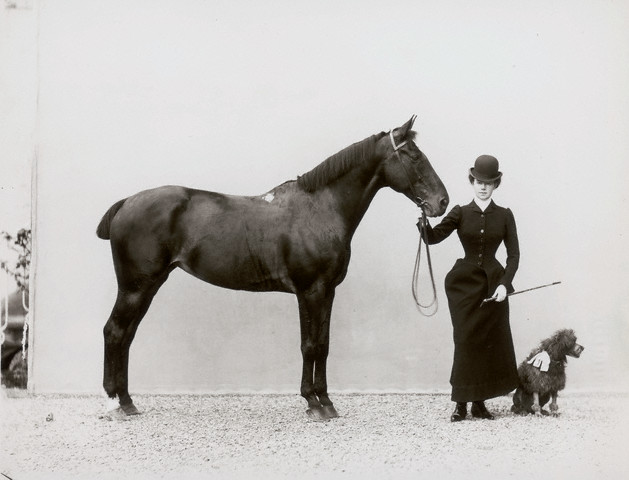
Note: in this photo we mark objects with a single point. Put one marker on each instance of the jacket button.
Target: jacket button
(482, 230)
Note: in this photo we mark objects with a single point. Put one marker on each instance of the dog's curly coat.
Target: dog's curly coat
(537, 386)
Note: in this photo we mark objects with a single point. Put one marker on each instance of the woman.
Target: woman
(484, 359)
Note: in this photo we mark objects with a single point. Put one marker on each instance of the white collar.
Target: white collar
(541, 361)
(482, 204)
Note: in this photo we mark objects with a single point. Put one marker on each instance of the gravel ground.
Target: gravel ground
(269, 436)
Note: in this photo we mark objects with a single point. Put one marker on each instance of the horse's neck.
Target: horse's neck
(352, 194)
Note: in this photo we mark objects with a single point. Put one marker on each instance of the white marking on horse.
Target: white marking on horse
(268, 197)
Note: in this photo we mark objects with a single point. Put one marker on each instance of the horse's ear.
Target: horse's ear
(401, 132)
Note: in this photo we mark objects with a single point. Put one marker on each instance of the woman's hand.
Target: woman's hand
(500, 294)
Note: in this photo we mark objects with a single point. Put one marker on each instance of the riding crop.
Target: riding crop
(492, 299)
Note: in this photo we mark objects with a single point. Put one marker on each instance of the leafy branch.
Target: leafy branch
(20, 268)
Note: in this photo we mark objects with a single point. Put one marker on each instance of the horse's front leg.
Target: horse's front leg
(320, 377)
(315, 306)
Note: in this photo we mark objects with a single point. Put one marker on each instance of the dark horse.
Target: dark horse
(295, 238)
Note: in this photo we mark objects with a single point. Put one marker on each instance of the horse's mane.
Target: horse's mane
(338, 164)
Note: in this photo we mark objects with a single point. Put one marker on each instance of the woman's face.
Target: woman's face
(483, 190)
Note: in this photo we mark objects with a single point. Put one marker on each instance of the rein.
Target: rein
(433, 304)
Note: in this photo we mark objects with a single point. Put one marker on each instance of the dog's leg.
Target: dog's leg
(517, 401)
(554, 408)
(543, 400)
(535, 407)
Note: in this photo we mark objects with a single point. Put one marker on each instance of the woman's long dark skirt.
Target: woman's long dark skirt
(484, 359)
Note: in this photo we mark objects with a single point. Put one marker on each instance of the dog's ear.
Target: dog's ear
(568, 339)
(554, 350)
(559, 344)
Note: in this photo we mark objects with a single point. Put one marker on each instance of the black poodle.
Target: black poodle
(543, 373)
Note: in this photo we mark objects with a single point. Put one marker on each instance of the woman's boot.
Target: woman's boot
(460, 412)
(480, 411)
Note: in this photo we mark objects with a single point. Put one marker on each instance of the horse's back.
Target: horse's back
(279, 241)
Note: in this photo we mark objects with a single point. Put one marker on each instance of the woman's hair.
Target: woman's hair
(496, 182)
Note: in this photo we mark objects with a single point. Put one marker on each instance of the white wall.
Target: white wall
(238, 97)
(18, 110)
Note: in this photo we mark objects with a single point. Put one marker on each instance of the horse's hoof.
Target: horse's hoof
(129, 409)
(116, 414)
(322, 413)
(317, 414)
(329, 411)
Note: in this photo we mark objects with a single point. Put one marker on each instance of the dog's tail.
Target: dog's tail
(102, 231)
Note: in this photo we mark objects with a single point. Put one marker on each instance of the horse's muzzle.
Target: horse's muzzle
(432, 209)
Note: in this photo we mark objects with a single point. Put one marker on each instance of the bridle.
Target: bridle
(423, 309)
(408, 177)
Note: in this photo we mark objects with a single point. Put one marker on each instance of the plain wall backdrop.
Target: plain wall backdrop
(240, 96)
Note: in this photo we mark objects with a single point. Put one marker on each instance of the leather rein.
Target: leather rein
(427, 310)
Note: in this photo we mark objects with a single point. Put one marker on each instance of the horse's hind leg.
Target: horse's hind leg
(119, 331)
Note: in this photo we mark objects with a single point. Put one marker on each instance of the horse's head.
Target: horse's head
(407, 170)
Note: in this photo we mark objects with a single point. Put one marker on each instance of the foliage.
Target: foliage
(18, 269)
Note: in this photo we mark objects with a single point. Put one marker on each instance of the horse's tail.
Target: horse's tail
(102, 231)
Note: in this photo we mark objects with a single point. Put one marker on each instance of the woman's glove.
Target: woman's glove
(420, 219)
(500, 294)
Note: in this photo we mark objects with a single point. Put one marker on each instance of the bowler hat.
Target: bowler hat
(485, 169)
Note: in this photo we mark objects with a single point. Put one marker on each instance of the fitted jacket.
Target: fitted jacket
(481, 233)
